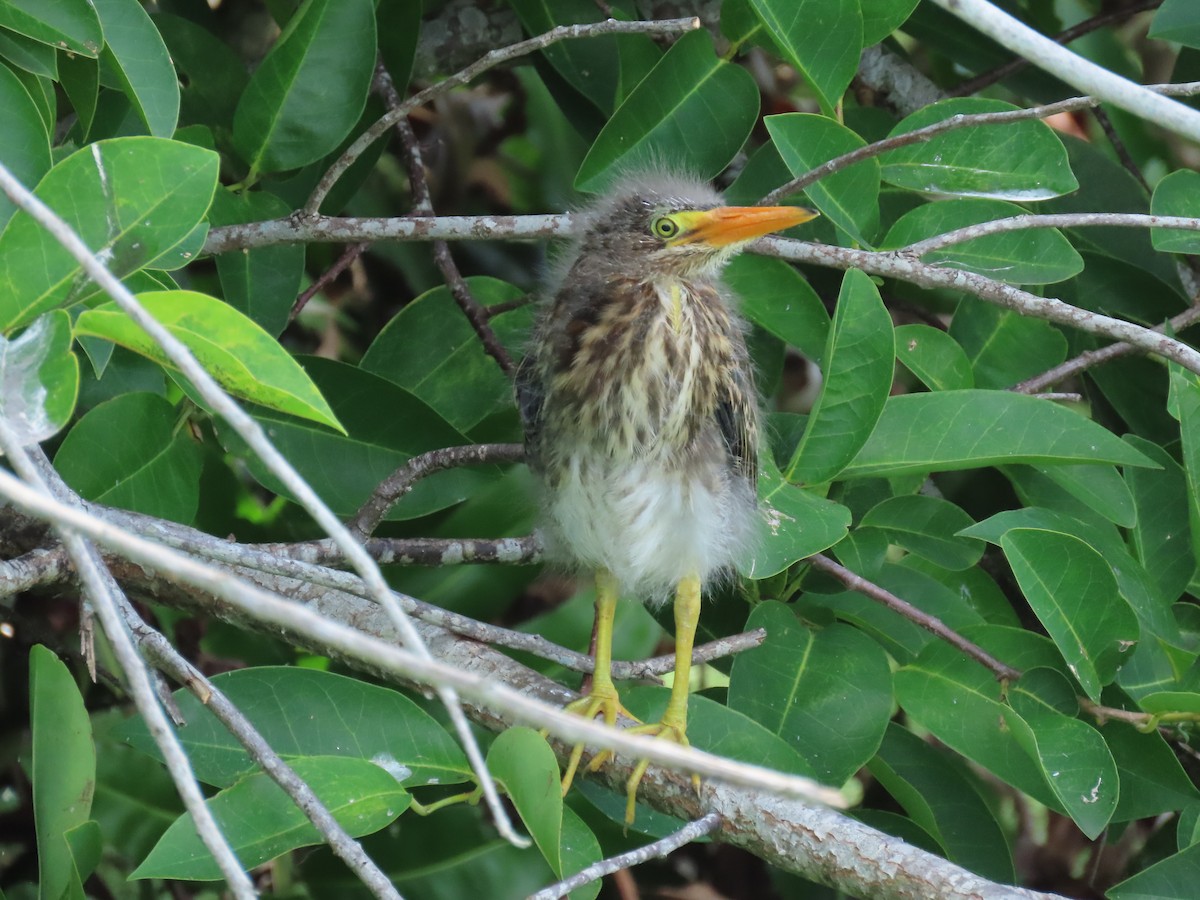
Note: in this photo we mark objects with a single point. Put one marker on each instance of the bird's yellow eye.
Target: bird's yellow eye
(665, 227)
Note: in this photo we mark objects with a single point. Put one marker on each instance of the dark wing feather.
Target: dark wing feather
(737, 417)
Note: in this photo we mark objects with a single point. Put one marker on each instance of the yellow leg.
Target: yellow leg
(602, 699)
(673, 725)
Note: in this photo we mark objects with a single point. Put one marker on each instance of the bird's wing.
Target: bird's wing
(738, 421)
(530, 396)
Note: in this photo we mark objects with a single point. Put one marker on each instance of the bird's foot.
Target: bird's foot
(603, 701)
(664, 730)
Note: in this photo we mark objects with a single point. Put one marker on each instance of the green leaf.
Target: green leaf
(859, 361)
(776, 297)
(1021, 160)
(246, 360)
(794, 523)
(133, 452)
(1030, 256)
(136, 55)
(928, 527)
(1098, 487)
(1173, 877)
(430, 349)
(261, 282)
(849, 198)
(693, 108)
(63, 767)
(69, 24)
(326, 50)
(261, 822)
(823, 39)
(130, 199)
(1176, 20)
(212, 76)
(523, 763)
(1161, 536)
(1072, 591)
(1152, 780)
(1072, 755)
(1005, 347)
(1185, 395)
(950, 430)
(591, 66)
(39, 378)
(882, 17)
(24, 143)
(945, 802)
(307, 713)
(1176, 195)
(344, 469)
(934, 357)
(827, 692)
(80, 80)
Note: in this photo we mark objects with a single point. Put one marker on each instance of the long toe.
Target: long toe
(603, 702)
(666, 731)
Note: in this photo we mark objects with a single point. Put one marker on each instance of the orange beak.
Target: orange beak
(727, 225)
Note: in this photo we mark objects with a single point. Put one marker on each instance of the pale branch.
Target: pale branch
(1066, 36)
(169, 661)
(101, 592)
(464, 76)
(952, 123)
(930, 623)
(316, 626)
(1076, 71)
(1051, 220)
(37, 568)
(256, 439)
(511, 551)
(660, 848)
(906, 268)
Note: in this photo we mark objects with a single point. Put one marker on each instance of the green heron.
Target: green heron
(640, 416)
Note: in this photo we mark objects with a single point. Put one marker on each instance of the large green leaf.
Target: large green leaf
(944, 801)
(1161, 535)
(70, 24)
(24, 141)
(882, 17)
(135, 53)
(308, 713)
(934, 357)
(64, 768)
(326, 50)
(1073, 592)
(821, 38)
(794, 523)
(1184, 404)
(1072, 755)
(858, 364)
(928, 527)
(1021, 160)
(827, 692)
(39, 378)
(849, 198)
(132, 452)
(591, 67)
(966, 429)
(1178, 194)
(1032, 256)
(261, 822)
(693, 108)
(246, 360)
(1177, 20)
(1173, 877)
(130, 199)
(1004, 347)
(776, 297)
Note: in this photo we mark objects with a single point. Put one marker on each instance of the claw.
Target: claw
(664, 730)
(603, 700)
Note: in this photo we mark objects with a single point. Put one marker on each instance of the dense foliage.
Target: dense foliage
(1032, 720)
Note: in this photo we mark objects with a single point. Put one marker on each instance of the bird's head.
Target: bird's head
(666, 225)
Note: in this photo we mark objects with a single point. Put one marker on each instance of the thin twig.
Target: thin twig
(1080, 73)
(347, 257)
(473, 71)
(658, 849)
(400, 482)
(256, 439)
(1018, 63)
(101, 592)
(1123, 154)
(932, 624)
(1047, 220)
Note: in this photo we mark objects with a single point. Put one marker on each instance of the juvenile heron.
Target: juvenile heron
(640, 416)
